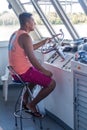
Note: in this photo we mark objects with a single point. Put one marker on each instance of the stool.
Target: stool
(19, 110)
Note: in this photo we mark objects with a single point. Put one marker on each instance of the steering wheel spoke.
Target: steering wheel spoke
(48, 47)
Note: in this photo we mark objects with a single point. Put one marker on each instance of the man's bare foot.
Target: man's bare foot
(31, 107)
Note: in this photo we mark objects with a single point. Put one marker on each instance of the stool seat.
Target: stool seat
(19, 82)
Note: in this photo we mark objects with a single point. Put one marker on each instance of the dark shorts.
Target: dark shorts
(36, 77)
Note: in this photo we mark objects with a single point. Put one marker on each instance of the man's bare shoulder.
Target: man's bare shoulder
(24, 36)
(24, 39)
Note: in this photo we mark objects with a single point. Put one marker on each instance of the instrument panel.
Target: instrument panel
(57, 61)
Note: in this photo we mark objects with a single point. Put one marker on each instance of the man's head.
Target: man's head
(26, 20)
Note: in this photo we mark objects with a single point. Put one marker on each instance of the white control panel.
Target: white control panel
(58, 61)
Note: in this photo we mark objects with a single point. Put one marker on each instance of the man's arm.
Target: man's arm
(26, 43)
(41, 43)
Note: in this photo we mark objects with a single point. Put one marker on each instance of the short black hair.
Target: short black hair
(23, 17)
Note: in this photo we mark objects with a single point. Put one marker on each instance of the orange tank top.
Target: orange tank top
(17, 57)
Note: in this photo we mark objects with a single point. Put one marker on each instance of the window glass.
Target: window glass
(73, 10)
(76, 15)
(8, 21)
(54, 19)
(51, 15)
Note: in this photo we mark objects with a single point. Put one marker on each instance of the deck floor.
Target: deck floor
(7, 121)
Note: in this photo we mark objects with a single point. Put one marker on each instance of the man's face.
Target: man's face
(31, 24)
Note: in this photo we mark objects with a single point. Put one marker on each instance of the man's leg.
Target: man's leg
(41, 95)
(37, 77)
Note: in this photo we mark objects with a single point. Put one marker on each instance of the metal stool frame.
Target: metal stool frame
(18, 112)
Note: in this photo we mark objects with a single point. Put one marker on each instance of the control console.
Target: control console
(57, 61)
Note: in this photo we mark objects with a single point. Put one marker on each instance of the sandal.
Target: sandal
(34, 113)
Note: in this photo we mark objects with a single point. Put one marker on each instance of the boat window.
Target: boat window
(39, 23)
(54, 19)
(48, 17)
(51, 15)
(76, 15)
(73, 10)
(8, 21)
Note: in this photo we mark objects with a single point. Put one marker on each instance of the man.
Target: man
(24, 62)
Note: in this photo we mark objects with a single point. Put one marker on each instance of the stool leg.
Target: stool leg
(21, 104)
(41, 126)
(21, 123)
(20, 98)
(40, 119)
(31, 96)
(5, 89)
(16, 122)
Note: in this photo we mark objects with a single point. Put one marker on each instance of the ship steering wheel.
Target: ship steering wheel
(48, 47)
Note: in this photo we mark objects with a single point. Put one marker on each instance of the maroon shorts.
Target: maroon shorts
(36, 77)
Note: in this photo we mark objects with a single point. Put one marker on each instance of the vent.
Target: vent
(80, 89)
